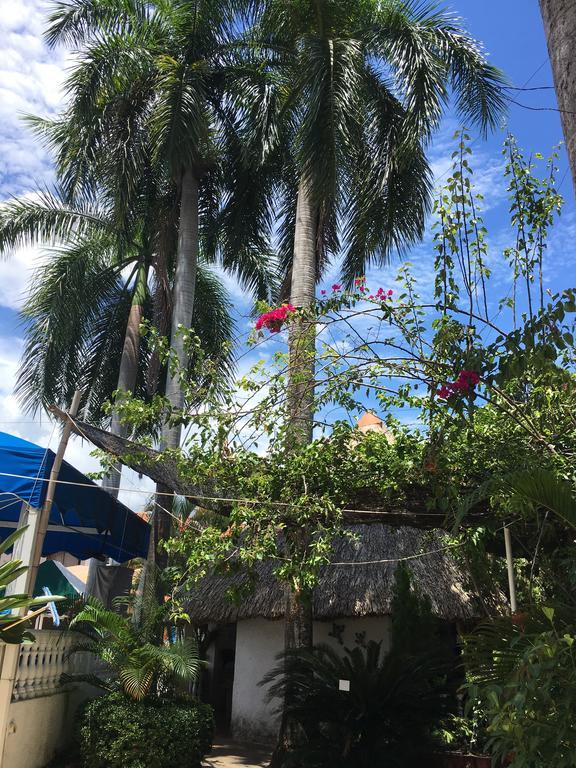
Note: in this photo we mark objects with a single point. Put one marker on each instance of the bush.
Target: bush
(524, 680)
(117, 732)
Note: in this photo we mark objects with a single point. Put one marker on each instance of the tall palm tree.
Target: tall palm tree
(150, 85)
(165, 63)
(366, 85)
(84, 308)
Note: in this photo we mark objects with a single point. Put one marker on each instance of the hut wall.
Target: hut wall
(258, 641)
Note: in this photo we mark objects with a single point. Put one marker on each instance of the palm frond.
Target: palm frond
(48, 220)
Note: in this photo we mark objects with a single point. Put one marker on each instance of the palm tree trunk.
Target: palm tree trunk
(127, 376)
(302, 333)
(182, 296)
(182, 310)
(559, 18)
(302, 362)
(298, 618)
(128, 373)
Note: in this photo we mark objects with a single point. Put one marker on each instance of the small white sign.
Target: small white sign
(344, 685)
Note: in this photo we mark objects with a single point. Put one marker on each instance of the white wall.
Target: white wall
(37, 729)
(258, 641)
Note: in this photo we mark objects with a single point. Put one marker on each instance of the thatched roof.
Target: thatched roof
(346, 591)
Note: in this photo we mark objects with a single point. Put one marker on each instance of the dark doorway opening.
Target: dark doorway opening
(222, 678)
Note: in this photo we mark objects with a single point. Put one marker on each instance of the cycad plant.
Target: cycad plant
(387, 716)
(143, 653)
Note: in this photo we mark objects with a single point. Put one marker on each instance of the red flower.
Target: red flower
(465, 382)
(359, 280)
(336, 287)
(274, 319)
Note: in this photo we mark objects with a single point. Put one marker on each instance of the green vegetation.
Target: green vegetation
(198, 133)
(396, 699)
(138, 661)
(117, 732)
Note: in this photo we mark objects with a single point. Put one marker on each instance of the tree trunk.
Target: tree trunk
(302, 333)
(128, 373)
(127, 376)
(559, 18)
(298, 618)
(182, 310)
(182, 296)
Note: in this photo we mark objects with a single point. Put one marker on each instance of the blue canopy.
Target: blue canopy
(85, 520)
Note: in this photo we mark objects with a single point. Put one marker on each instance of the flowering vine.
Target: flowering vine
(465, 383)
(275, 319)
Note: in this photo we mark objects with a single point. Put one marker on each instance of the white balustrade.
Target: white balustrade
(43, 662)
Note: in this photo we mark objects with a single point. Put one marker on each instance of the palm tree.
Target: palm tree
(164, 63)
(141, 664)
(365, 87)
(85, 306)
(149, 88)
(560, 27)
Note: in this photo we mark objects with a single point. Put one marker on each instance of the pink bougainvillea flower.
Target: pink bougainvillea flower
(336, 287)
(465, 382)
(468, 379)
(323, 293)
(390, 293)
(274, 319)
(359, 280)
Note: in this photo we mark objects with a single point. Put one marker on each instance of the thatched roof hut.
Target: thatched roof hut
(359, 582)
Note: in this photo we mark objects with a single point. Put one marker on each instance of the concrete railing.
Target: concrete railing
(42, 663)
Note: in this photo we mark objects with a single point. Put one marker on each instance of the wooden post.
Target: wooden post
(510, 567)
(29, 549)
(44, 519)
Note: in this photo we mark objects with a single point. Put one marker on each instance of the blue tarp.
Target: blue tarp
(85, 521)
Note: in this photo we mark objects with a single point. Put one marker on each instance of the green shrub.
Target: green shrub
(117, 732)
(524, 680)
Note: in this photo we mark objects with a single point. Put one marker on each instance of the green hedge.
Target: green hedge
(116, 732)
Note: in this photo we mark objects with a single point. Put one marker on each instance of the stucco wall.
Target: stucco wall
(39, 728)
(258, 641)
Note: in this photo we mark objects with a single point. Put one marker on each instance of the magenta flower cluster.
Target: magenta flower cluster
(275, 319)
(360, 284)
(465, 383)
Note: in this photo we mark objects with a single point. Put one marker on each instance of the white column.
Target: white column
(23, 550)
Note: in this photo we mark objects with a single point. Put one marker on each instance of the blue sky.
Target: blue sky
(31, 77)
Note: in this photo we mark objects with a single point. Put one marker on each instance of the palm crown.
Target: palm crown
(364, 86)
